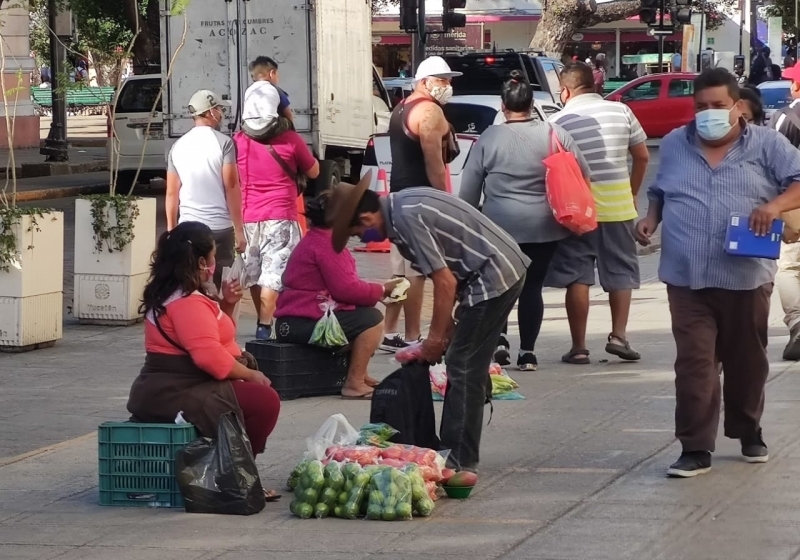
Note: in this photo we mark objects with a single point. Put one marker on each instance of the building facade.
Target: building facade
(20, 125)
(511, 24)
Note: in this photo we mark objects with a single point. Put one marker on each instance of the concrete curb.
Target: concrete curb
(82, 190)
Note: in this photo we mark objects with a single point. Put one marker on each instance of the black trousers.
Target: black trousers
(468, 359)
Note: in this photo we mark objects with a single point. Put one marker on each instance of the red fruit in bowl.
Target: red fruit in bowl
(463, 479)
(447, 474)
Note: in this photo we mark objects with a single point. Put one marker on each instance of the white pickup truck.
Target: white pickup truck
(323, 49)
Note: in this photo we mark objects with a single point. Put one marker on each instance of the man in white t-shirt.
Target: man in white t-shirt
(203, 179)
(261, 119)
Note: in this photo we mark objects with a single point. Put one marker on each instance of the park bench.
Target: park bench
(80, 100)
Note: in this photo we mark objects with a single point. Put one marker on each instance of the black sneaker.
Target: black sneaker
(394, 343)
(690, 463)
(754, 449)
(527, 362)
(502, 356)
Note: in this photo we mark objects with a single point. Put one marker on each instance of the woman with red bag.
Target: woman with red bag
(506, 167)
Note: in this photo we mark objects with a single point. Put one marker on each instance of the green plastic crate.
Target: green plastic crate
(137, 463)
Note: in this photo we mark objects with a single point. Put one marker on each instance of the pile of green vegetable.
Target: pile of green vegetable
(348, 491)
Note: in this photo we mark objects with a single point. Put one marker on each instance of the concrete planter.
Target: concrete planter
(109, 285)
(32, 290)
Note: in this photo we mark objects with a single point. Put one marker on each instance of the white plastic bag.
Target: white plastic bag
(236, 271)
(336, 430)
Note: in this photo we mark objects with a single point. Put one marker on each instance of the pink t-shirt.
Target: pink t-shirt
(267, 191)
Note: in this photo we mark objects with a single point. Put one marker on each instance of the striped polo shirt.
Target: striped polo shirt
(604, 131)
(435, 230)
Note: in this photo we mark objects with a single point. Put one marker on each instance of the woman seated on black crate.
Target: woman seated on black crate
(314, 272)
(193, 363)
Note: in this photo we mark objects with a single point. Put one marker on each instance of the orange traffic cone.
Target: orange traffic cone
(301, 215)
(379, 246)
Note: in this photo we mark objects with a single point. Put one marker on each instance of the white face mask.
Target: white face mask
(442, 94)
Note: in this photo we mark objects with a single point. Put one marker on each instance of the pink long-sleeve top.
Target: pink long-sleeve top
(196, 323)
(315, 270)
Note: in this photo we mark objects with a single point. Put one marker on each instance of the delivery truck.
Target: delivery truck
(324, 52)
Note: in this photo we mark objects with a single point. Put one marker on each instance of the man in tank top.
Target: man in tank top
(416, 130)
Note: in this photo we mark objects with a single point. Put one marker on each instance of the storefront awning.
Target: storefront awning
(477, 11)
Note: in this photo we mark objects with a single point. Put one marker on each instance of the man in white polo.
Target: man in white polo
(203, 179)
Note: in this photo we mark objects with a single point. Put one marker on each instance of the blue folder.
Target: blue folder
(741, 242)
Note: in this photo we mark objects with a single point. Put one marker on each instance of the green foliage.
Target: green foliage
(784, 9)
(115, 237)
(10, 217)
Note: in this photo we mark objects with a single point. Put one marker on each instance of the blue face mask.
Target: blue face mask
(713, 124)
(372, 235)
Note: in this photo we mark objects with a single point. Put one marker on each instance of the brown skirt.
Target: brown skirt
(169, 384)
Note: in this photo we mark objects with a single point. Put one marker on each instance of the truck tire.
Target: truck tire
(330, 175)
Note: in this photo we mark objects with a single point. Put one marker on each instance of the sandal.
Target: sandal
(271, 496)
(573, 357)
(622, 349)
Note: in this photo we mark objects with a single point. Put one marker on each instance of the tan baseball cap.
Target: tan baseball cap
(205, 100)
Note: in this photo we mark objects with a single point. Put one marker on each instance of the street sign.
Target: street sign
(656, 31)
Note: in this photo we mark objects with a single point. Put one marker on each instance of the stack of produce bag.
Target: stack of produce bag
(503, 387)
(341, 478)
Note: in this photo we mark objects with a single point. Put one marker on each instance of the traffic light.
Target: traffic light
(408, 15)
(451, 19)
(682, 12)
(648, 13)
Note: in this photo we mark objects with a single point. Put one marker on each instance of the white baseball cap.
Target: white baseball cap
(205, 100)
(435, 67)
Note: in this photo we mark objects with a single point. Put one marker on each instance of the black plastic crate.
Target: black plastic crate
(300, 370)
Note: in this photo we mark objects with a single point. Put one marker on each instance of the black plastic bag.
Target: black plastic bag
(404, 401)
(220, 476)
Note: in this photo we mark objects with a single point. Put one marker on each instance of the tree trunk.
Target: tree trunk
(561, 19)
(145, 51)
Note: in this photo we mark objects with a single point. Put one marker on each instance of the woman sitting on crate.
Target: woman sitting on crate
(315, 273)
(193, 363)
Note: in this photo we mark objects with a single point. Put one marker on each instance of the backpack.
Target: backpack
(404, 401)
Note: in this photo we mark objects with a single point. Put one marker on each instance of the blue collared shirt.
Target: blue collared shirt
(697, 202)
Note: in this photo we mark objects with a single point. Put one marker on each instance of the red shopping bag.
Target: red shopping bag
(568, 193)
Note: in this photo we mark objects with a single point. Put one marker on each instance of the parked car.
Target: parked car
(470, 115)
(775, 96)
(130, 112)
(398, 88)
(661, 102)
(484, 73)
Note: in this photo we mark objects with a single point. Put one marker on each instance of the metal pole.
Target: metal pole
(753, 24)
(660, 53)
(420, 37)
(55, 147)
(742, 5)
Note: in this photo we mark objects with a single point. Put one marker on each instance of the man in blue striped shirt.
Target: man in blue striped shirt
(473, 264)
(716, 166)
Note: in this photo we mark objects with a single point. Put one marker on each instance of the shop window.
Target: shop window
(645, 91)
(680, 88)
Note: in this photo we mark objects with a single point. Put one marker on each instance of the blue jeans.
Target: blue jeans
(468, 384)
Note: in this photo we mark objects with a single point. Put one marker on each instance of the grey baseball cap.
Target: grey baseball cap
(205, 100)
